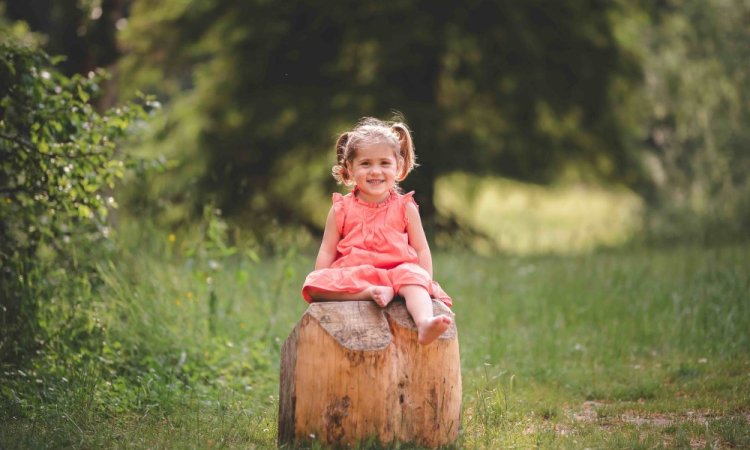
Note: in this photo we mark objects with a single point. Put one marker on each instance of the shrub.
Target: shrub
(58, 159)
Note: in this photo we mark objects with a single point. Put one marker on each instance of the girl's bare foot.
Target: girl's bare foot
(430, 329)
(382, 295)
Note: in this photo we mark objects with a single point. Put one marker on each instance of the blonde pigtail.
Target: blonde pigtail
(406, 149)
(339, 170)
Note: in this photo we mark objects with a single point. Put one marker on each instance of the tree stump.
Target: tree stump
(352, 371)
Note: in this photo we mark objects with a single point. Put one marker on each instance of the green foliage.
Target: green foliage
(58, 170)
(262, 89)
(652, 95)
(175, 324)
(647, 95)
(688, 119)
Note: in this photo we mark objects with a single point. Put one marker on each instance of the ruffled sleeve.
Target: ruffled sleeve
(339, 211)
(404, 200)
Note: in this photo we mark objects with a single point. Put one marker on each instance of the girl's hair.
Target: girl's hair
(371, 131)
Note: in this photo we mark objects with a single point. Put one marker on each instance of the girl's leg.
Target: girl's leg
(382, 295)
(419, 304)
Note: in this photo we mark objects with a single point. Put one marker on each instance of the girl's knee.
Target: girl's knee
(407, 290)
(409, 275)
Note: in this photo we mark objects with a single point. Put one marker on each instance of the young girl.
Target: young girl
(374, 246)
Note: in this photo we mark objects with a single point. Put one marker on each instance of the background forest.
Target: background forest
(165, 177)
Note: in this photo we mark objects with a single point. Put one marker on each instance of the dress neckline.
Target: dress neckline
(391, 197)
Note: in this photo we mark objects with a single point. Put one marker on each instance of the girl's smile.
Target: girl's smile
(374, 171)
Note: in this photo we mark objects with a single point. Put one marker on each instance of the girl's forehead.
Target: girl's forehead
(379, 150)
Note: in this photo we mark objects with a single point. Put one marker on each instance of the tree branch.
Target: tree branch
(32, 148)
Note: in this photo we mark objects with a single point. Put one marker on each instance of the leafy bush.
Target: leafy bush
(59, 160)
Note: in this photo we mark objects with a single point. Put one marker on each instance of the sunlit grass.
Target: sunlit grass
(524, 218)
(627, 349)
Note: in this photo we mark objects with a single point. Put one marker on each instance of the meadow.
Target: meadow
(174, 342)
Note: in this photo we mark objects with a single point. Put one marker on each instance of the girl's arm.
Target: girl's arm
(417, 238)
(327, 252)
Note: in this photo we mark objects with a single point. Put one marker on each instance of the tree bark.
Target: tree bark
(351, 371)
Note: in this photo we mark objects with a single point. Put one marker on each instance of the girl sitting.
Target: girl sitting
(374, 246)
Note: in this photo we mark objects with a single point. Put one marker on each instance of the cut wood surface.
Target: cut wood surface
(352, 371)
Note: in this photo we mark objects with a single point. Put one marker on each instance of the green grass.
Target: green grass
(637, 348)
(177, 346)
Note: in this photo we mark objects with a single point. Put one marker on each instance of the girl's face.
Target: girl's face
(374, 169)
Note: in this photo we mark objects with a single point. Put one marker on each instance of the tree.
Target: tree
(492, 87)
(83, 31)
(688, 118)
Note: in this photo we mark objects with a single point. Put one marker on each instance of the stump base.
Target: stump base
(352, 371)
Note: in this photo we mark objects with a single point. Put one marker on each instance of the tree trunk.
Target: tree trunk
(351, 371)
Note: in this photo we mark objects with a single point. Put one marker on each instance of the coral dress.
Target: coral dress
(373, 250)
